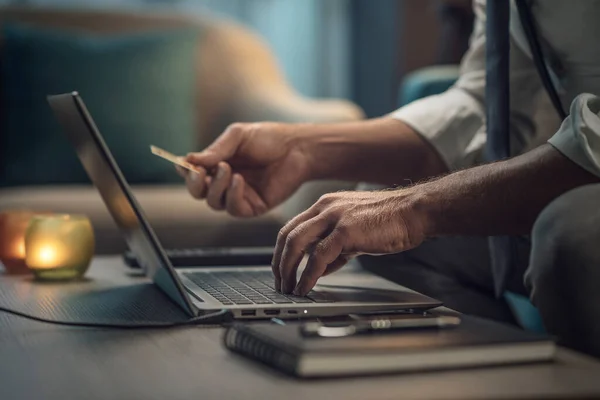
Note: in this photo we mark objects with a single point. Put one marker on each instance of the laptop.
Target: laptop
(247, 291)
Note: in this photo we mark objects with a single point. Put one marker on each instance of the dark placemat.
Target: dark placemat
(116, 298)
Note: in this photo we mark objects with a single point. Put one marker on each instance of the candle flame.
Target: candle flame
(47, 254)
(20, 249)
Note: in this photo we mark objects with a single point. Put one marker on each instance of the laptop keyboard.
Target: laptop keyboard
(251, 287)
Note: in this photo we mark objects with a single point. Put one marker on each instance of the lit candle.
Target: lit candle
(59, 247)
(13, 225)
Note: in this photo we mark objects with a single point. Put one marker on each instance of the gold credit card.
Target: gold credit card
(173, 158)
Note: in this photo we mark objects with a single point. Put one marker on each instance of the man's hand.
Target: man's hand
(342, 225)
(249, 169)
(495, 199)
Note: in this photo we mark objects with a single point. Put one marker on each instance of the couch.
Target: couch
(238, 79)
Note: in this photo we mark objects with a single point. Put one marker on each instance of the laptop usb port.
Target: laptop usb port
(248, 313)
(271, 312)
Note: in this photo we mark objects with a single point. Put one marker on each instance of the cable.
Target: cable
(216, 317)
(532, 36)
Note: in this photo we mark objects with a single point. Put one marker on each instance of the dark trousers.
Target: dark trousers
(559, 269)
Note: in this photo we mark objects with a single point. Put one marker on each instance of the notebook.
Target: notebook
(474, 343)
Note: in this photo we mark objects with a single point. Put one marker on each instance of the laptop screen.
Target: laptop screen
(105, 174)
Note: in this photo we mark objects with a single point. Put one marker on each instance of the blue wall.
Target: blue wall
(374, 54)
(309, 37)
(327, 48)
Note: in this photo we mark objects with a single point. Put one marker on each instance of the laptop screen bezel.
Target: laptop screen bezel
(169, 282)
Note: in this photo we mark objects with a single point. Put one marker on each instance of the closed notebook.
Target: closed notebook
(474, 343)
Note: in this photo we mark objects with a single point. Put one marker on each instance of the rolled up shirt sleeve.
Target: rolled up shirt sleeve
(454, 121)
(579, 135)
(448, 121)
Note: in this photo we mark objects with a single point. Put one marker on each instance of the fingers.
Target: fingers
(301, 238)
(218, 186)
(281, 239)
(235, 202)
(225, 190)
(196, 183)
(325, 253)
(258, 205)
(181, 171)
(242, 200)
(221, 149)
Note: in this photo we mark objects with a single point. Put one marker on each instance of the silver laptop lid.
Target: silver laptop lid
(106, 175)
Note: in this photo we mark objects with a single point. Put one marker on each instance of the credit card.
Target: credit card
(173, 158)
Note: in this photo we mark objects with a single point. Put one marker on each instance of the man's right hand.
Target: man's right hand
(249, 169)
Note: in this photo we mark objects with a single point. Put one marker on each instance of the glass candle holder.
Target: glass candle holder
(13, 225)
(59, 247)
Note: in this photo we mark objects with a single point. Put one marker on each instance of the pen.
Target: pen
(318, 329)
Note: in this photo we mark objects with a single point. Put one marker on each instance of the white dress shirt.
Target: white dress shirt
(454, 121)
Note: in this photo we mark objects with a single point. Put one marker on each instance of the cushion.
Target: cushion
(185, 223)
(139, 88)
(525, 312)
(426, 82)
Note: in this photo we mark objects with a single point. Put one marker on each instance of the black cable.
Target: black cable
(216, 317)
(538, 58)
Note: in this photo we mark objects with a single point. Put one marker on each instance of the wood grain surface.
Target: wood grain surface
(41, 361)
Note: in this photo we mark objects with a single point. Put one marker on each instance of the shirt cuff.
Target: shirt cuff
(449, 121)
(579, 135)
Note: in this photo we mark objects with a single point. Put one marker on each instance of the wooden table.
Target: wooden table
(40, 361)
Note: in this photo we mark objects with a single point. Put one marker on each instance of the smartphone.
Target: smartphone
(382, 323)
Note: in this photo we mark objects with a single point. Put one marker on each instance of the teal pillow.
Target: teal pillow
(140, 89)
(426, 82)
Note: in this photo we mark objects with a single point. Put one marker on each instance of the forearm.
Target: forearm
(382, 150)
(500, 198)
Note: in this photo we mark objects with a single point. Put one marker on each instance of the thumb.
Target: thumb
(221, 149)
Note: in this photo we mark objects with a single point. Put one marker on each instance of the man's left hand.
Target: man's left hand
(342, 225)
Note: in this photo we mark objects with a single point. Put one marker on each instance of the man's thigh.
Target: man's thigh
(564, 274)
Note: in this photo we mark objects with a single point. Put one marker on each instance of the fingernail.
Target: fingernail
(194, 176)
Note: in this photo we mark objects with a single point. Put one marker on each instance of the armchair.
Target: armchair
(238, 79)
